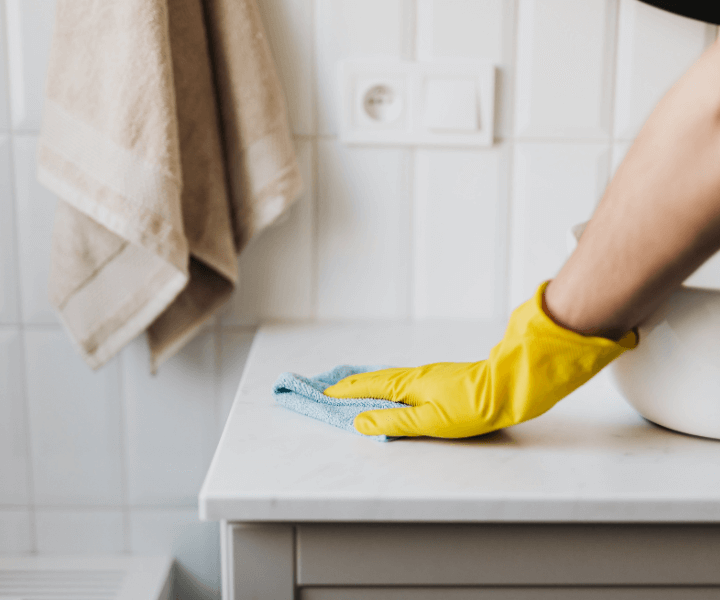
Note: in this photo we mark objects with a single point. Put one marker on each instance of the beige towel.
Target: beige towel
(165, 135)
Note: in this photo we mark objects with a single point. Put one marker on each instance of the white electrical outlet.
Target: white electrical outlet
(409, 103)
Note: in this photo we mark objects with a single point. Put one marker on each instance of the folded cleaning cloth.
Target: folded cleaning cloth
(305, 395)
(165, 135)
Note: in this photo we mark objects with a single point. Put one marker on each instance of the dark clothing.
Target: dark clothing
(703, 10)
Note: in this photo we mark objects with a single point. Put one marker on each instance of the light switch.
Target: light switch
(434, 103)
(450, 105)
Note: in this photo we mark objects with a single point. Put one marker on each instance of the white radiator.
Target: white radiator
(85, 578)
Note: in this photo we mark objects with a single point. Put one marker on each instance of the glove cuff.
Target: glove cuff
(628, 340)
(546, 361)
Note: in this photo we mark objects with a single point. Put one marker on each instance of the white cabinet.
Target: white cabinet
(586, 502)
(471, 561)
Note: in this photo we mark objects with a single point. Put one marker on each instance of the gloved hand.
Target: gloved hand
(536, 364)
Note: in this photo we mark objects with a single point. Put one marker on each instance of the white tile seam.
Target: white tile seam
(497, 138)
(217, 366)
(314, 226)
(314, 167)
(11, 153)
(508, 252)
(410, 45)
(613, 90)
(46, 327)
(14, 72)
(124, 473)
(313, 71)
(410, 300)
(30, 486)
(30, 472)
(211, 444)
(105, 508)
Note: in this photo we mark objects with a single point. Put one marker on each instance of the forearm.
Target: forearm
(659, 218)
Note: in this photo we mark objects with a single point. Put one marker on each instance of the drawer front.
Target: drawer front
(553, 593)
(507, 554)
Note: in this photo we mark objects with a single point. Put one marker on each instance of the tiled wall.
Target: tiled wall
(112, 461)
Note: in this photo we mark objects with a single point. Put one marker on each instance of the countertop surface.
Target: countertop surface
(591, 458)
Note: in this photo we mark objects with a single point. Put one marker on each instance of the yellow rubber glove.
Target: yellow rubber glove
(536, 364)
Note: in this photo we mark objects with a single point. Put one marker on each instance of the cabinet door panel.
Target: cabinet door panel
(508, 554)
(258, 562)
(548, 593)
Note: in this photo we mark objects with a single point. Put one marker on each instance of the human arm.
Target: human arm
(658, 221)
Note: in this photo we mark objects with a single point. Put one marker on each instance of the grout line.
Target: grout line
(314, 229)
(101, 508)
(75, 508)
(504, 309)
(30, 472)
(217, 343)
(411, 276)
(315, 170)
(613, 93)
(313, 69)
(410, 33)
(124, 466)
(496, 139)
(411, 46)
(54, 327)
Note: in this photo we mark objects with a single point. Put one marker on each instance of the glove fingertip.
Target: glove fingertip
(366, 424)
(388, 421)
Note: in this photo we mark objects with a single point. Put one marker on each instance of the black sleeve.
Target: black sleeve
(703, 10)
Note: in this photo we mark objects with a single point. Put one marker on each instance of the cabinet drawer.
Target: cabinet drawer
(506, 554)
(551, 593)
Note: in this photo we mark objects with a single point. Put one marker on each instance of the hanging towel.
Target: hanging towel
(165, 136)
(305, 395)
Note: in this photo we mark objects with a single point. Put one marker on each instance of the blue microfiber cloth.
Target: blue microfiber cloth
(305, 395)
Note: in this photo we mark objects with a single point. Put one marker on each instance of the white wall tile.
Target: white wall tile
(475, 29)
(74, 423)
(460, 218)
(351, 29)
(565, 53)
(289, 28)
(234, 348)
(363, 232)
(655, 48)
(619, 150)
(79, 532)
(9, 298)
(29, 35)
(194, 544)
(170, 422)
(276, 269)
(13, 426)
(35, 207)
(708, 275)
(4, 87)
(15, 533)
(555, 186)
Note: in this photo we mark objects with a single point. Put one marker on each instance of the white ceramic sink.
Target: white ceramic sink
(672, 377)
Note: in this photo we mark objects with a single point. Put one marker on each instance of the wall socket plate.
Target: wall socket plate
(398, 103)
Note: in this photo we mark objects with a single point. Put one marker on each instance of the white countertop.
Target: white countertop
(590, 458)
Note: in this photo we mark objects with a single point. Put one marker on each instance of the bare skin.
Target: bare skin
(658, 220)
